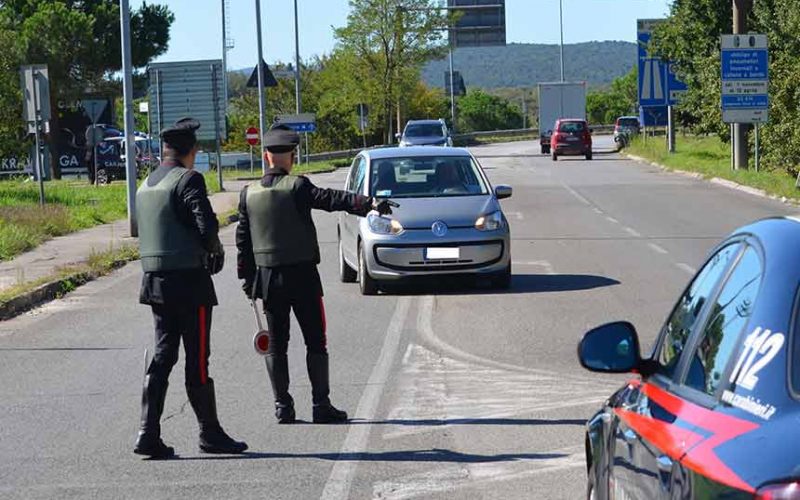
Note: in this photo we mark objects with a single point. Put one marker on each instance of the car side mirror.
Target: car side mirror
(503, 191)
(233, 218)
(611, 348)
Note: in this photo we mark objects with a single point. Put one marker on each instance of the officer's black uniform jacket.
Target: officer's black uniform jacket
(189, 287)
(299, 278)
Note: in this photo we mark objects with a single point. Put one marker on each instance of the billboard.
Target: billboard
(481, 23)
(187, 88)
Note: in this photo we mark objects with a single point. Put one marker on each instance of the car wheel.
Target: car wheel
(589, 156)
(346, 273)
(502, 280)
(101, 177)
(367, 285)
(554, 156)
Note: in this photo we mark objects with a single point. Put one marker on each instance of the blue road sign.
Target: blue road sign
(302, 127)
(658, 84)
(745, 78)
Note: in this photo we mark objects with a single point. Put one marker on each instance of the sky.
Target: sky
(197, 33)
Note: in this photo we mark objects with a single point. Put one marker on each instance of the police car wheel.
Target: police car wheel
(346, 273)
(101, 177)
(365, 281)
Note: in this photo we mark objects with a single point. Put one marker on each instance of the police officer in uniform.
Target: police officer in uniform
(277, 258)
(180, 250)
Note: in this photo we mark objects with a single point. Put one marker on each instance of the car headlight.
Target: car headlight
(490, 222)
(383, 225)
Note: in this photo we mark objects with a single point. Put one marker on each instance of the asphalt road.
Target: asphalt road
(456, 392)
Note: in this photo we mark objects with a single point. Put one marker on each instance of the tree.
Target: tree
(386, 42)
(79, 40)
(604, 106)
(480, 111)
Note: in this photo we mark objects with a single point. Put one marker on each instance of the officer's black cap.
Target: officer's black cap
(181, 135)
(281, 139)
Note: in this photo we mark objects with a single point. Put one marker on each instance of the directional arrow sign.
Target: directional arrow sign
(303, 122)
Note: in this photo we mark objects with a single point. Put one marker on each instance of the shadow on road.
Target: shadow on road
(431, 455)
(520, 284)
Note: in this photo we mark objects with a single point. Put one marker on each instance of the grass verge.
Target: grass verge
(710, 157)
(19, 298)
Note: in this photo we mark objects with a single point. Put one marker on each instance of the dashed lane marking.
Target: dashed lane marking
(686, 267)
(548, 268)
(341, 478)
(576, 194)
(657, 248)
(633, 232)
(611, 219)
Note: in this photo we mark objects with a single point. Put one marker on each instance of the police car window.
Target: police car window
(729, 315)
(351, 177)
(684, 317)
(360, 174)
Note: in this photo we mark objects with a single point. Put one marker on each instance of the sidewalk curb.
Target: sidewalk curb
(716, 180)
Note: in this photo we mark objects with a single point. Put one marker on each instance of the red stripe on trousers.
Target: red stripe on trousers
(324, 321)
(202, 348)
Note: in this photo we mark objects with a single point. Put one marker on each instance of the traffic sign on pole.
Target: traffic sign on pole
(251, 135)
(658, 83)
(745, 78)
(301, 122)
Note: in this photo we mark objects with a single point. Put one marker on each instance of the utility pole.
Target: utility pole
(127, 91)
(297, 99)
(561, 26)
(741, 9)
(262, 112)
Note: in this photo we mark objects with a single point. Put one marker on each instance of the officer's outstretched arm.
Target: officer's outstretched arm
(333, 200)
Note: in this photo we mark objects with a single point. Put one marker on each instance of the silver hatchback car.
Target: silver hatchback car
(449, 220)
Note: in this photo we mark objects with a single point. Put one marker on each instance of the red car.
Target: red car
(571, 137)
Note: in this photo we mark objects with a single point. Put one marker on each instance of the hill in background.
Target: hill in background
(525, 65)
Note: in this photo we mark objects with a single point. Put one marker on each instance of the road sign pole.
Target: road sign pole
(252, 167)
(452, 92)
(127, 91)
(561, 27)
(757, 148)
(741, 9)
(36, 124)
(262, 112)
(215, 97)
(670, 129)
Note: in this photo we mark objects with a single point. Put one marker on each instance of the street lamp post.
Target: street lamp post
(561, 29)
(262, 118)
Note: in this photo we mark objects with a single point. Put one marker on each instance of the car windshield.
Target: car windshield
(424, 130)
(628, 122)
(423, 177)
(572, 127)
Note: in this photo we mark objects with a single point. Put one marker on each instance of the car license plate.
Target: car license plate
(572, 139)
(441, 253)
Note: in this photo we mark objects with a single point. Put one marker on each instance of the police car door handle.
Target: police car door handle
(664, 464)
(629, 436)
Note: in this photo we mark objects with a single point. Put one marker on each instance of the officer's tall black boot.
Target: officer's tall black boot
(323, 412)
(212, 438)
(278, 369)
(149, 442)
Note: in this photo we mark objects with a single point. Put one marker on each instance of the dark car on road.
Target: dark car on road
(571, 137)
(425, 133)
(715, 409)
(625, 128)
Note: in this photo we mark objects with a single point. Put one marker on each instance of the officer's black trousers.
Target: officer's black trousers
(310, 313)
(193, 325)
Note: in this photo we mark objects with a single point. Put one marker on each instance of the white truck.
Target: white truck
(559, 100)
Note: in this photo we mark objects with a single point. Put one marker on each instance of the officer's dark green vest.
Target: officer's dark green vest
(281, 235)
(165, 243)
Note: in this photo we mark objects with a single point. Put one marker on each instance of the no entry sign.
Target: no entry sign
(252, 136)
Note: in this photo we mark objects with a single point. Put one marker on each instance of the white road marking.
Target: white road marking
(686, 267)
(597, 211)
(548, 268)
(633, 232)
(455, 476)
(577, 195)
(436, 391)
(657, 248)
(341, 478)
(515, 215)
(611, 219)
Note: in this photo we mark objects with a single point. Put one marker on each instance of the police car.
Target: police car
(715, 409)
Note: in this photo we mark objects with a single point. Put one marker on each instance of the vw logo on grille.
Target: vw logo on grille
(439, 228)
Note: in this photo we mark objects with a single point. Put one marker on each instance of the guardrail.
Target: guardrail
(242, 160)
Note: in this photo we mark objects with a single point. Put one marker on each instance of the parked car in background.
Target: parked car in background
(625, 128)
(712, 410)
(425, 133)
(449, 221)
(571, 137)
